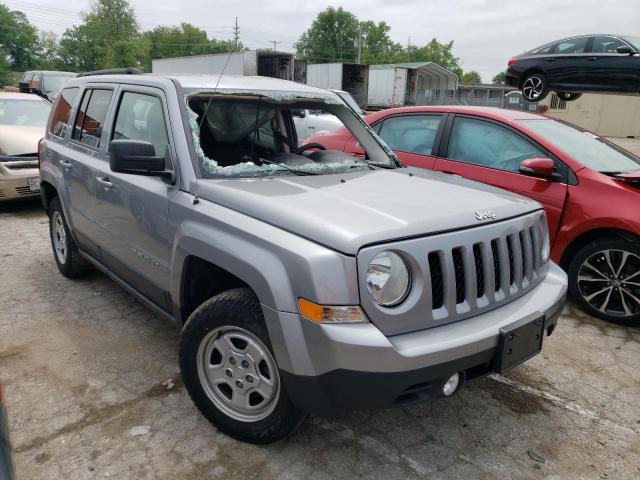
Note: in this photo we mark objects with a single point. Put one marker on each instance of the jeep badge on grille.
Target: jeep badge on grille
(485, 215)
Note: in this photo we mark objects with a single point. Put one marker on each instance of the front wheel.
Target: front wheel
(230, 371)
(568, 96)
(535, 87)
(604, 279)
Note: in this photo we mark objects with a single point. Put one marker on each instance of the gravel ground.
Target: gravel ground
(86, 368)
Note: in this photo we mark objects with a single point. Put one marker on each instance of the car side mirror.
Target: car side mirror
(625, 50)
(24, 87)
(538, 167)
(298, 112)
(138, 158)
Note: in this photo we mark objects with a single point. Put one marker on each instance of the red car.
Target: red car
(590, 188)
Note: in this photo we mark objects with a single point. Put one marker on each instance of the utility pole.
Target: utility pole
(275, 42)
(409, 49)
(236, 34)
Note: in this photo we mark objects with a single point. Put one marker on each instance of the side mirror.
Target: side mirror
(24, 87)
(625, 50)
(137, 157)
(538, 167)
(298, 112)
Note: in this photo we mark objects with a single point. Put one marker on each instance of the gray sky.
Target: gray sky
(486, 32)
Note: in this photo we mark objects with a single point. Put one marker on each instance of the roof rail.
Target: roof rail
(114, 71)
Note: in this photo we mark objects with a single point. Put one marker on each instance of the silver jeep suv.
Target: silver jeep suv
(302, 279)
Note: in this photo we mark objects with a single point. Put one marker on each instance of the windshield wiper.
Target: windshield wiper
(286, 167)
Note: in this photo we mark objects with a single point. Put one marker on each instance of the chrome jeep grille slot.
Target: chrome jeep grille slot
(460, 274)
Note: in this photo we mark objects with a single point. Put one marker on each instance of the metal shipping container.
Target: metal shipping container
(387, 87)
(350, 77)
(251, 62)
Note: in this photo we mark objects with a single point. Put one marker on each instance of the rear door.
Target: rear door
(491, 153)
(413, 137)
(80, 159)
(132, 209)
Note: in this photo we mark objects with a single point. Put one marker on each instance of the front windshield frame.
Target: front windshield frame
(331, 104)
(588, 157)
(23, 104)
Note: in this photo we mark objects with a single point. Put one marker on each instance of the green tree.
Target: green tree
(436, 52)
(471, 77)
(331, 37)
(376, 44)
(48, 51)
(499, 79)
(18, 39)
(5, 75)
(107, 38)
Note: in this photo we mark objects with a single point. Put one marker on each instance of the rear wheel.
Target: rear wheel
(65, 251)
(604, 278)
(230, 371)
(568, 96)
(535, 87)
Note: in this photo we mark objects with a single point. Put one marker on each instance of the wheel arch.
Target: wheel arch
(47, 193)
(591, 235)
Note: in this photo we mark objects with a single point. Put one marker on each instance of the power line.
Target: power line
(275, 42)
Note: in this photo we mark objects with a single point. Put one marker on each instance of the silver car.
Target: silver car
(302, 279)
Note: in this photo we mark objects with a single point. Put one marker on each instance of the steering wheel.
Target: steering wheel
(309, 146)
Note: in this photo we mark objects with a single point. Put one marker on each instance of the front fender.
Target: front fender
(278, 265)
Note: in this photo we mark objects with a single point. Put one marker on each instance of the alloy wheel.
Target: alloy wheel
(238, 373)
(609, 281)
(59, 237)
(533, 87)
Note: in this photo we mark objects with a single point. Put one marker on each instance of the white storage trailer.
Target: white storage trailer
(350, 77)
(266, 63)
(396, 85)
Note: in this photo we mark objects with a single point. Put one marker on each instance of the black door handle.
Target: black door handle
(592, 59)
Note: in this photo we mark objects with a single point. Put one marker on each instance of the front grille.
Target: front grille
(24, 191)
(461, 273)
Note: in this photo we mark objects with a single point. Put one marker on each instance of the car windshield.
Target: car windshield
(54, 83)
(633, 40)
(253, 135)
(590, 150)
(28, 113)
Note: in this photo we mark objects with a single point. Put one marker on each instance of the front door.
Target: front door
(610, 70)
(490, 153)
(132, 208)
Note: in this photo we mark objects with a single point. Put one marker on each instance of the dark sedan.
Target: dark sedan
(590, 63)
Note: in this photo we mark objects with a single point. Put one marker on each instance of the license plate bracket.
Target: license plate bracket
(34, 184)
(518, 343)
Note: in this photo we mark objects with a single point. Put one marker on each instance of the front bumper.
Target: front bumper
(14, 182)
(325, 368)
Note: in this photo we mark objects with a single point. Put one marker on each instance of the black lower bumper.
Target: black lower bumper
(348, 390)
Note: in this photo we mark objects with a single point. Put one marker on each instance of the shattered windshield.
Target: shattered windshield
(253, 135)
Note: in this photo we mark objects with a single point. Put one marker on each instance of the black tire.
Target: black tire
(568, 96)
(585, 281)
(241, 309)
(72, 264)
(535, 87)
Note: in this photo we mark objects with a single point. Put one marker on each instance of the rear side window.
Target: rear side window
(36, 82)
(91, 116)
(141, 117)
(59, 123)
(411, 133)
(576, 45)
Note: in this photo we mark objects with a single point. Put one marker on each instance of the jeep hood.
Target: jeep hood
(347, 211)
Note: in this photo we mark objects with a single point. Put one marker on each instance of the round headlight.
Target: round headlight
(388, 278)
(546, 244)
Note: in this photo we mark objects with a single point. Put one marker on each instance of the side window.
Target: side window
(411, 133)
(35, 82)
(27, 77)
(575, 45)
(606, 44)
(489, 145)
(59, 123)
(91, 116)
(141, 117)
